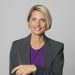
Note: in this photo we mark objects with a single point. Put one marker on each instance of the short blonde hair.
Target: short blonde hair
(45, 11)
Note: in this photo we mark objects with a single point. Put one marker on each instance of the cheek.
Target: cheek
(44, 26)
(31, 24)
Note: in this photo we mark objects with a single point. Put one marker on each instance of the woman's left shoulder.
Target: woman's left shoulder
(56, 46)
(55, 43)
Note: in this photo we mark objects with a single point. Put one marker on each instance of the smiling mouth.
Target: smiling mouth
(37, 28)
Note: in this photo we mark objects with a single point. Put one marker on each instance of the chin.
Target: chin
(38, 34)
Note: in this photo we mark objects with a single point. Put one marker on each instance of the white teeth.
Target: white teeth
(37, 28)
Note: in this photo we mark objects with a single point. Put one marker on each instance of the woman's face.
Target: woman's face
(37, 23)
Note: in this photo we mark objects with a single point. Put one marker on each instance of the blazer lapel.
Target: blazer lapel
(48, 53)
(26, 50)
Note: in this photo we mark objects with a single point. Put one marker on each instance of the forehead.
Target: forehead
(37, 13)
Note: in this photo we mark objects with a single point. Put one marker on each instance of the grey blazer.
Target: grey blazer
(54, 56)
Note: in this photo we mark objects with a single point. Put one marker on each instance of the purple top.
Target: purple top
(37, 56)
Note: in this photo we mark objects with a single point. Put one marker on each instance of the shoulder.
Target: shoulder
(54, 42)
(56, 46)
(21, 41)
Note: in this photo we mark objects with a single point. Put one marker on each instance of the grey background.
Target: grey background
(13, 26)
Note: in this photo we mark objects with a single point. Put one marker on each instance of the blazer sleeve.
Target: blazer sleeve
(56, 67)
(13, 58)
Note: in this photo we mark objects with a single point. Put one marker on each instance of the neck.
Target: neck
(37, 41)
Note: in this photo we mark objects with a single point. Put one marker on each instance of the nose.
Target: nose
(38, 23)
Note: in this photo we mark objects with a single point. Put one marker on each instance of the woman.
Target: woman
(37, 54)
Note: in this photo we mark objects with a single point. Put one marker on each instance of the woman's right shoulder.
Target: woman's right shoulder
(16, 44)
(20, 41)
